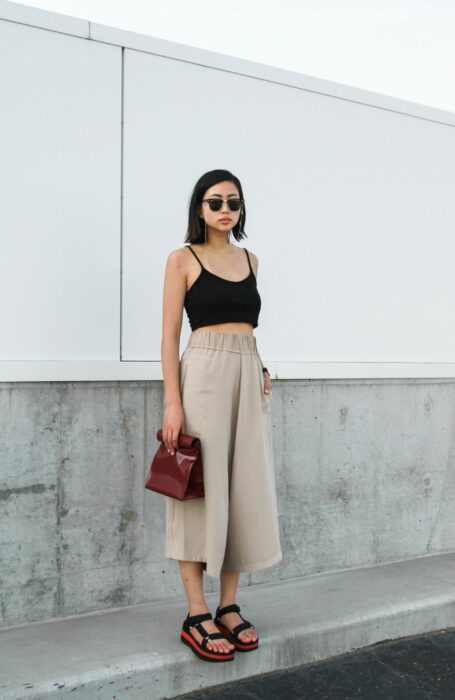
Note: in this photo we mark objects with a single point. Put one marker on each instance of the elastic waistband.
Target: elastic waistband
(234, 342)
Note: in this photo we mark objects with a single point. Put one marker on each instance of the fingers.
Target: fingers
(170, 440)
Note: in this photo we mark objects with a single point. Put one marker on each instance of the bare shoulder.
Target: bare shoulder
(178, 258)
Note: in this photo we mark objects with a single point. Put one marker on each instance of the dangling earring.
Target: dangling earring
(205, 230)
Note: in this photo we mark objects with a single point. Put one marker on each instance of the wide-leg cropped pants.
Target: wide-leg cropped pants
(235, 526)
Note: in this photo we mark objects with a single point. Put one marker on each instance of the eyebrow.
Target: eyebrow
(216, 194)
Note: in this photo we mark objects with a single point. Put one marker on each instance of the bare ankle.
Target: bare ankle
(197, 608)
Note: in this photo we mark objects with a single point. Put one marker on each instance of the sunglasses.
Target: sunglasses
(216, 204)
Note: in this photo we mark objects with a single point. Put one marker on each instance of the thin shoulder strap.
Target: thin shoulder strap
(249, 263)
(190, 248)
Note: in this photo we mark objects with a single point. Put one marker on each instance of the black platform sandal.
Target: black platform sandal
(200, 648)
(234, 635)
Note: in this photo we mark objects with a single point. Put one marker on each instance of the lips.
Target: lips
(224, 221)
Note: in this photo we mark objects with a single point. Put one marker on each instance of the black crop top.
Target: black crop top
(212, 299)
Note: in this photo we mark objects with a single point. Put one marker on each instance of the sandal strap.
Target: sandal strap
(213, 635)
(217, 635)
(239, 628)
(227, 609)
(200, 629)
(193, 619)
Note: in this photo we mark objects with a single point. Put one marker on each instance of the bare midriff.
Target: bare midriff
(228, 328)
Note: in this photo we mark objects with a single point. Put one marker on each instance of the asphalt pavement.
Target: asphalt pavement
(415, 668)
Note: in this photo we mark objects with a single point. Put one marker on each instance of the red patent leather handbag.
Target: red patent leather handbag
(179, 475)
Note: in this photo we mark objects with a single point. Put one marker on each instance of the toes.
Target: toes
(248, 636)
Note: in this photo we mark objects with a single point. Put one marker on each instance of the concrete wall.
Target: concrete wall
(365, 474)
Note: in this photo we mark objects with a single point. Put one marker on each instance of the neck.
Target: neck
(218, 242)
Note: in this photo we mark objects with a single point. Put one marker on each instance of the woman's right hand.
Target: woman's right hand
(172, 425)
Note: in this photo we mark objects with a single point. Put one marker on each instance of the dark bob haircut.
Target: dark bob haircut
(196, 225)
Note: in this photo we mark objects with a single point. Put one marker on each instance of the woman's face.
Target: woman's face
(224, 219)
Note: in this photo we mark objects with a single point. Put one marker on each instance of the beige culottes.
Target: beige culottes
(235, 526)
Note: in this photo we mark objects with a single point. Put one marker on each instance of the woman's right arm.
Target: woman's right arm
(173, 299)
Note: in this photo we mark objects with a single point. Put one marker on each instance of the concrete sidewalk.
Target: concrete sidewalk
(135, 652)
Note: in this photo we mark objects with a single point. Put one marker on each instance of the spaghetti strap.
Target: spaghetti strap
(190, 248)
(249, 263)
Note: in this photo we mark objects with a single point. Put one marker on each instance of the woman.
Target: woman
(219, 392)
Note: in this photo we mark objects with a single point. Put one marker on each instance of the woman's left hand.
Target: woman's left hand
(267, 383)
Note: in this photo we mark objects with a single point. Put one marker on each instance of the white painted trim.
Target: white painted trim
(44, 19)
(53, 21)
(30, 371)
(240, 66)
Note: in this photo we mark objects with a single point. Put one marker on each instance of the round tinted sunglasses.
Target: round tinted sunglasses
(215, 204)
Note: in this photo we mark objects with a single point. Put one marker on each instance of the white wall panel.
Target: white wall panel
(350, 210)
(349, 200)
(60, 145)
